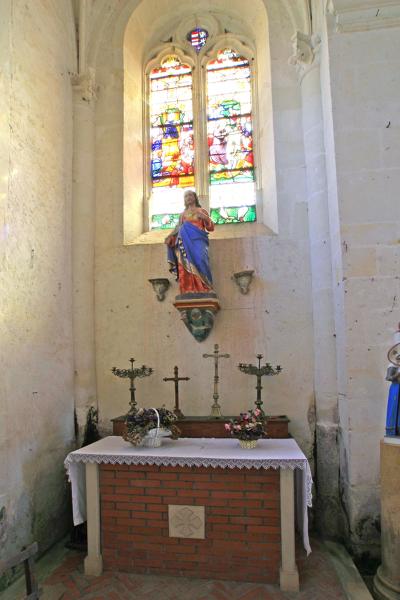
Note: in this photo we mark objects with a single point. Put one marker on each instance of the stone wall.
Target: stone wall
(36, 395)
(361, 84)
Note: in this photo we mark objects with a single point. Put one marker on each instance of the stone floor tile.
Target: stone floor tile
(318, 581)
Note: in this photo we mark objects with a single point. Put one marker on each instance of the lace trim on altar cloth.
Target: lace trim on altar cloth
(222, 463)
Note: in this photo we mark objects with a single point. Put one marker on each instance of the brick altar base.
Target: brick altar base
(242, 521)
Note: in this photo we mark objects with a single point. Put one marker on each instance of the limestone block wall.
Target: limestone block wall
(36, 393)
(362, 136)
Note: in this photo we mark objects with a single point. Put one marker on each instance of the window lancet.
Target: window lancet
(171, 134)
(230, 138)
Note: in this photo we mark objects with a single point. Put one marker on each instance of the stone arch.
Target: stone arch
(104, 53)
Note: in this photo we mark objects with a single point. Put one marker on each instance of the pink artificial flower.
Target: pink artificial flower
(227, 427)
(257, 412)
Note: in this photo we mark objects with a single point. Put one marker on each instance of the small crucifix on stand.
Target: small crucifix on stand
(131, 374)
(259, 372)
(177, 379)
(215, 408)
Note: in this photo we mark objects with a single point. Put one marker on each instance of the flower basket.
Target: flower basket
(248, 428)
(149, 426)
(248, 444)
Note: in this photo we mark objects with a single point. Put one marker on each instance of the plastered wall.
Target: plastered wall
(36, 392)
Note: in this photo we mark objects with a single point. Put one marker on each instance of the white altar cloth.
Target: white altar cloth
(280, 453)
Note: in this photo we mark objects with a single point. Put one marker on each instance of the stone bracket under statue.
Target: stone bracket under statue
(197, 312)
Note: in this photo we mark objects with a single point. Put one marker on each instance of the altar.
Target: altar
(194, 507)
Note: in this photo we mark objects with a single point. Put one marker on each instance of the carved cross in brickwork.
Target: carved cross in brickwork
(177, 379)
(216, 409)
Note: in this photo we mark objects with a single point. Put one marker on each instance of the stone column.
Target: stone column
(306, 60)
(288, 573)
(387, 578)
(83, 241)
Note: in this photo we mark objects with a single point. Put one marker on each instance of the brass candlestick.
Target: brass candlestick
(259, 372)
(132, 374)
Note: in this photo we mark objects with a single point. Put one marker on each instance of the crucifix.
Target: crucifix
(131, 374)
(215, 408)
(259, 372)
(177, 379)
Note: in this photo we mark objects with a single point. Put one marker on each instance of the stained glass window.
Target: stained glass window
(230, 136)
(198, 38)
(223, 113)
(171, 133)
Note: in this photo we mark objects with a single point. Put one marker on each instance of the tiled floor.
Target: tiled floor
(318, 581)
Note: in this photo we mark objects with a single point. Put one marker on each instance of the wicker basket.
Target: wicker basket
(248, 444)
(153, 439)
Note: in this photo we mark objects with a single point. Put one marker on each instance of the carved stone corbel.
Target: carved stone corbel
(84, 84)
(306, 52)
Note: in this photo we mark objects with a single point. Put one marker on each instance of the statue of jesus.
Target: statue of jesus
(188, 247)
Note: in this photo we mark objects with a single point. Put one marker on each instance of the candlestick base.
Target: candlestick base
(216, 410)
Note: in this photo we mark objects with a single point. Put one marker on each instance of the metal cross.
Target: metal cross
(259, 372)
(215, 408)
(176, 379)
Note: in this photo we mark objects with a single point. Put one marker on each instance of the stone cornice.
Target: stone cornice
(84, 84)
(306, 51)
(365, 16)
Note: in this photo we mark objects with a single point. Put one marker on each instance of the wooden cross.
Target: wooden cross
(215, 408)
(176, 379)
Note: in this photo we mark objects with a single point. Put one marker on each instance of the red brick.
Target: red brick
(156, 507)
(115, 513)
(125, 490)
(106, 489)
(177, 484)
(145, 483)
(115, 498)
(225, 511)
(246, 520)
(161, 492)
(218, 519)
(107, 476)
(194, 493)
(163, 476)
(183, 500)
(262, 512)
(218, 502)
(138, 498)
(121, 482)
(228, 476)
(194, 477)
(224, 494)
(246, 503)
(263, 529)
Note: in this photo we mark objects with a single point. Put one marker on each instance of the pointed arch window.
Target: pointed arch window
(204, 140)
